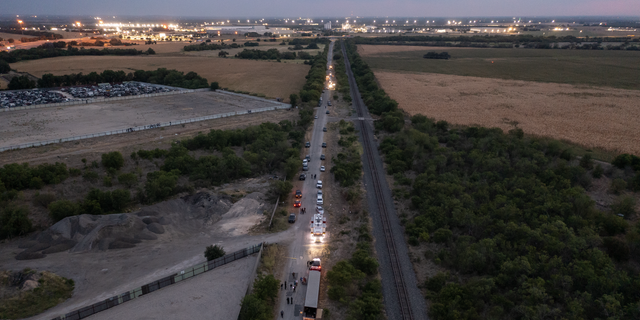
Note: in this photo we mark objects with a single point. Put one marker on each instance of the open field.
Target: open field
(26, 126)
(619, 69)
(270, 78)
(593, 117)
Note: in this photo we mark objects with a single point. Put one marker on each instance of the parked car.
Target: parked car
(329, 104)
(308, 158)
(316, 117)
(296, 204)
(321, 168)
(319, 184)
(319, 209)
(298, 194)
(319, 191)
(307, 145)
(292, 218)
(303, 176)
(328, 112)
(324, 144)
(324, 129)
(322, 157)
(305, 167)
(319, 200)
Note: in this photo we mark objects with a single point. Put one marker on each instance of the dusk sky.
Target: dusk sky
(332, 8)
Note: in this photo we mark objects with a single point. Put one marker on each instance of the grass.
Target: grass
(270, 255)
(53, 290)
(619, 69)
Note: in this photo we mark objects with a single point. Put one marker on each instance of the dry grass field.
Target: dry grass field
(605, 68)
(270, 78)
(593, 117)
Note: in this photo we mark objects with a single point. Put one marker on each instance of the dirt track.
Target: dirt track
(593, 117)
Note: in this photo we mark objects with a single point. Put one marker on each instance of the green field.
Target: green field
(620, 69)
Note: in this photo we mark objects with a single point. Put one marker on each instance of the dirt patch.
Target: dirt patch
(270, 78)
(593, 117)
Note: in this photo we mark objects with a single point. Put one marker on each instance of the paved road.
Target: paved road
(303, 249)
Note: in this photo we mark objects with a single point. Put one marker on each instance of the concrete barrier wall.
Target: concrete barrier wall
(140, 128)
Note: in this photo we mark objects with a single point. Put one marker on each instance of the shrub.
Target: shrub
(586, 161)
(161, 184)
(44, 199)
(597, 171)
(128, 179)
(14, 221)
(436, 282)
(616, 248)
(215, 86)
(90, 176)
(214, 252)
(624, 205)
(61, 209)
(617, 185)
(107, 181)
(120, 198)
(281, 188)
(36, 183)
(113, 160)
(74, 172)
(442, 235)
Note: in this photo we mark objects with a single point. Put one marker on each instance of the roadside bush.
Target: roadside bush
(74, 172)
(281, 188)
(14, 221)
(266, 288)
(597, 171)
(36, 183)
(20, 176)
(215, 86)
(253, 308)
(214, 252)
(617, 186)
(61, 209)
(90, 176)
(113, 160)
(586, 161)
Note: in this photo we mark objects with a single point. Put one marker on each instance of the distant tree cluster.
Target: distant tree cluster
(50, 50)
(206, 46)
(271, 54)
(174, 78)
(435, 55)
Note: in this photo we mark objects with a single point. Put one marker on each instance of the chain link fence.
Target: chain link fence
(159, 284)
(139, 128)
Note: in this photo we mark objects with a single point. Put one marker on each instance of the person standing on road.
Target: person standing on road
(285, 284)
(281, 314)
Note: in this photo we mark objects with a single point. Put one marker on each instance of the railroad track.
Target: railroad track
(400, 286)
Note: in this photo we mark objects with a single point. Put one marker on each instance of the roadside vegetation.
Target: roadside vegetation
(347, 164)
(342, 80)
(260, 303)
(272, 54)
(378, 102)
(50, 291)
(507, 219)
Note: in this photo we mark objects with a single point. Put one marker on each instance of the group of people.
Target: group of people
(303, 210)
(292, 287)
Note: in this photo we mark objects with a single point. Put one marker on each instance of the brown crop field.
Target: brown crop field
(270, 78)
(604, 118)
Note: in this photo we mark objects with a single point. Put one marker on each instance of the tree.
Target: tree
(624, 205)
(151, 51)
(128, 179)
(223, 53)
(161, 184)
(4, 67)
(254, 309)
(21, 82)
(61, 209)
(214, 252)
(11, 40)
(113, 160)
(266, 287)
(14, 221)
(120, 198)
(294, 99)
(281, 188)
(215, 86)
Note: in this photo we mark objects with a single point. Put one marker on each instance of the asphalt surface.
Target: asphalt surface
(303, 248)
(392, 306)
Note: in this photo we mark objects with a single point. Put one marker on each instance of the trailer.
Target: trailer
(311, 310)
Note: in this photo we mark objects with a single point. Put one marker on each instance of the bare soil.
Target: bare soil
(593, 117)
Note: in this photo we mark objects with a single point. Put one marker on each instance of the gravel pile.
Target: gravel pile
(115, 90)
(29, 97)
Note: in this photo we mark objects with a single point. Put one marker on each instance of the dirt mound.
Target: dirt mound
(119, 231)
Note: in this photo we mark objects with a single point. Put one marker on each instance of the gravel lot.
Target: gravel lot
(26, 126)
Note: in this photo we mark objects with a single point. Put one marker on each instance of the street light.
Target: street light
(20, 22)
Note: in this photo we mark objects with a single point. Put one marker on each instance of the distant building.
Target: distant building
(241, 30)
(327, 26)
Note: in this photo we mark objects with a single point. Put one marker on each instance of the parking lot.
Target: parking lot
(27, 126)
(115, 90)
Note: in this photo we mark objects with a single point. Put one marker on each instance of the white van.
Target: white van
(319, 201)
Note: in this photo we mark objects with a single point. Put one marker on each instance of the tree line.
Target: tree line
(54, 50)
(163, 76)
(376, 99)
(403, 39)
(508, 219)
(313, 87)
(342, 81)
(436, 55)
(271, 54)
(210, 46)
